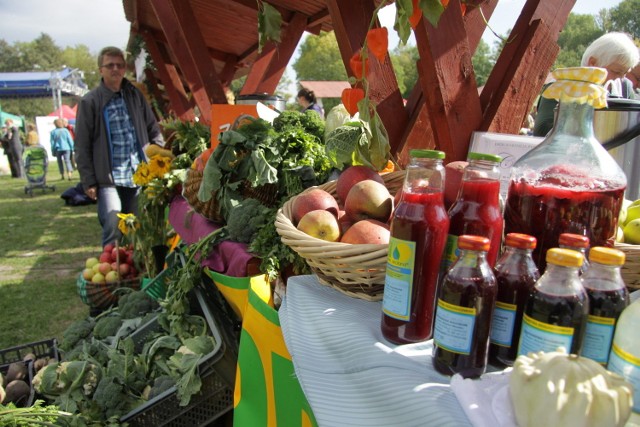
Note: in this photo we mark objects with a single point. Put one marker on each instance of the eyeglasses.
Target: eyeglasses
(113, 66)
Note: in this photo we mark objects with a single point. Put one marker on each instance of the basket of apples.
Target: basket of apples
(103, 275)
(341, 229)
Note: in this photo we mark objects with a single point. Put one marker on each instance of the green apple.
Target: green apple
(632, 232)
(633, 213)
(620, 235)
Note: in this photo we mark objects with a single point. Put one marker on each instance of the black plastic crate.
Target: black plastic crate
(217, 372)
(46, 348)
(39, 348)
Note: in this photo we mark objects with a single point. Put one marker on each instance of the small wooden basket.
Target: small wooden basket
(631, 269)
(209, 209)
(355, 270)
(103, 295)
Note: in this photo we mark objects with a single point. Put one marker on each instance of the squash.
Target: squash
(155, 150)
(560, 389)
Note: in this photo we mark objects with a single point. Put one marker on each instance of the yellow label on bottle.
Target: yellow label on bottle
(609, 321)
(398, 282)
(627, 357)
(469, 311)
(506, 306)
(554, 329)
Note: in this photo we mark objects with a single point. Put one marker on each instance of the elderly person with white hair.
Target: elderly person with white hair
(613, 51)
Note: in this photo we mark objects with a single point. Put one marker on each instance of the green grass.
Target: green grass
(43, 246)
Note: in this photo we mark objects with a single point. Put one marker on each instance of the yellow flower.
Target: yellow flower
(127, 223)
(159, 166)
(142, 176)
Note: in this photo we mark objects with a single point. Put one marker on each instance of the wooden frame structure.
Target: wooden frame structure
(199, 47)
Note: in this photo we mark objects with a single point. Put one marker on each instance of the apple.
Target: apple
(133, 272)
(104, 267)
(108, 247)
(320, 224)
(90, 262)
(369, 199)
(633, 213)
(105, 257)
(367, 231)
(111, 277)
(98, 278)
(632, 232)
(87, 274)
(118, 254)
(124, 269)
(620, 235)
(353, 175)
(96, 268)
(311, 200)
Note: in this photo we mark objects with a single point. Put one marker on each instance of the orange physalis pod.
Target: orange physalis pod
(356, 65)
(350, 99)
(378, 42)
(416, 16)
(444, 3)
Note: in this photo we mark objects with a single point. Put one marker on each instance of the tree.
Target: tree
(403, 59)
(579, 31)
(624, 17)
(483, 62)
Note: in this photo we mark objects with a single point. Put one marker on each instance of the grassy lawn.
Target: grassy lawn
(43, 246)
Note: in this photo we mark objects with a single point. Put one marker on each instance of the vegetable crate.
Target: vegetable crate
(217, 372)
(46, 348)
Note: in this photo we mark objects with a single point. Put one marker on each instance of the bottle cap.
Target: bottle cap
(564, 257)
(580, 85)
(520, 241)
(607, 256)
(573, 240)
(484, 156)
(473, 243)
(427, 154)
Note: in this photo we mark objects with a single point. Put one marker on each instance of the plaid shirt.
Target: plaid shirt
(124, 156)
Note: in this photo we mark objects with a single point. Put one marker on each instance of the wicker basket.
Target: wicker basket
(355, 270)
(631, 268)
(209, 209)
(103, 295)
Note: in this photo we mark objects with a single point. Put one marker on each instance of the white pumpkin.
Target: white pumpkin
(560, 389)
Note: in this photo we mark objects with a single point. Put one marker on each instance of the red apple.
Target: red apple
(105, 257)
(118, 253)
(108, 247)
(320, 224)
(124, 269)
(369, 199)
(367, 231)
(344, 222)
(104, 268)
(353, 175)
(454, 172)
(311, 200)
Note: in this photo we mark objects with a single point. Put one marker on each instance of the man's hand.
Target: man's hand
(92, 193)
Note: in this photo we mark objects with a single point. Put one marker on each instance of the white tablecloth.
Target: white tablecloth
(350, 375)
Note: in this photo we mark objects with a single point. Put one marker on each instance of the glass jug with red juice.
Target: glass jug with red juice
(568, 183)
(418, 234)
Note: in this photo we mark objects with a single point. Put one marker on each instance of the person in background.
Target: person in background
(113, 124)
(634, 78)
(32, 135)
(307, 100)
(61, 148)
(13, 149)
(614, 51)
(69, 127)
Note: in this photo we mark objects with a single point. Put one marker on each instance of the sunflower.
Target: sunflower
(142, 176)
(127, 223)
(159, 166)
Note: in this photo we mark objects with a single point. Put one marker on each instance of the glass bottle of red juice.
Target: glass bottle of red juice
(576, 242)
(476, 210)
(555, 314)
(516, 274)
(568, 183)
(418, 234)
(465, 304)
(608, 297)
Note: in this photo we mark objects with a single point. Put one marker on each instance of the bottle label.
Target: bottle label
(540, 336)
(628, 366)
(504, 318)
(454, 327)
(598, 337)
(450, 253)
(398, 282)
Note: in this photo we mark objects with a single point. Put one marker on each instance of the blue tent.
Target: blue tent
(68, 81)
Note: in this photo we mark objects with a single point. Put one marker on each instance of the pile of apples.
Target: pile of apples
(113, 265)
(359, 214)
(629, 222)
